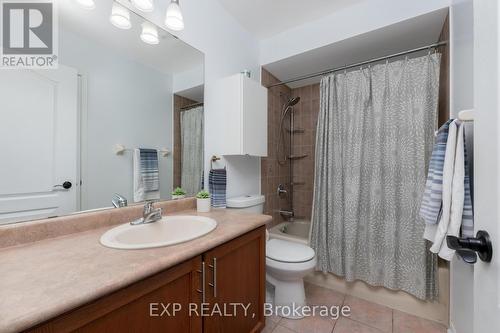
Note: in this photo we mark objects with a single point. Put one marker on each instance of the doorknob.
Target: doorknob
(467, 247)
(66, 185)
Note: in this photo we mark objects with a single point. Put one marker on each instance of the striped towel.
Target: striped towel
(430, 209)
(149, 169)
(467, 214)
(217, 180)
(146, 175)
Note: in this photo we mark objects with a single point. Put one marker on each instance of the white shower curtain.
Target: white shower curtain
(374, 138)
(192, 150)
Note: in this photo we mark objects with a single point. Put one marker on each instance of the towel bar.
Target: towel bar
(120, 149)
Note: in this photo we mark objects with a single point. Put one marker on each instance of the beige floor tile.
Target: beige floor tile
(270, 326)
(405, 323)
(309, 324)
(274, 317)
(365, 317)
(316, 295)
(282, 329)
(345, 325)
(370, 314)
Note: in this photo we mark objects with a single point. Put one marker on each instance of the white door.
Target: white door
(486, 305)
(38, 143)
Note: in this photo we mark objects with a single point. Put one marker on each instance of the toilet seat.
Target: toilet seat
(288, 252)
(290, 268)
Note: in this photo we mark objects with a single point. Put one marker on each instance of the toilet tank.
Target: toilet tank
(247, 204)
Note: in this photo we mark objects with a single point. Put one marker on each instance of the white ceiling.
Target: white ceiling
(265, 18)
(171, 56)
(402, 36)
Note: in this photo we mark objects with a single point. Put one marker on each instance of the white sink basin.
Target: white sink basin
(169, 230)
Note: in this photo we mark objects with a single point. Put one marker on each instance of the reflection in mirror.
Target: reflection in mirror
(123, 114)
(188, 138)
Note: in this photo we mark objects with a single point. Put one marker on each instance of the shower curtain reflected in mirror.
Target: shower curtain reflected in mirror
(192, 150)
(374, 139)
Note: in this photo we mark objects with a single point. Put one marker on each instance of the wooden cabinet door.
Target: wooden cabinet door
(235, 273)
(129, 309)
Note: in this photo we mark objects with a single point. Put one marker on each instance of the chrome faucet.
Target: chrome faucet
(149, 214)
(119, 201)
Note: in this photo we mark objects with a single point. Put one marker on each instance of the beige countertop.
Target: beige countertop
(43, 279)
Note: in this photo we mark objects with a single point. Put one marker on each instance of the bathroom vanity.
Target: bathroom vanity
(229, 273)
(73, 283)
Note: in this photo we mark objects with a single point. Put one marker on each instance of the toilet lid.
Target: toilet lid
(287, 251)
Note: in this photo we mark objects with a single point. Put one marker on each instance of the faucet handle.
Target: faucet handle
(119, 201)
(148, 207)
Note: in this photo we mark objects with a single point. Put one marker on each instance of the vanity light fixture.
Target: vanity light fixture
(87, 4)
(149, 34)
(143, 5)
(120, 16)
(174, 19)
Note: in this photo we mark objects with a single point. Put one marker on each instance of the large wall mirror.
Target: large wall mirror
(119, 116)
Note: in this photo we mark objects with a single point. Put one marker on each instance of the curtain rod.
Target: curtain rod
(358, 64)
(187, 107)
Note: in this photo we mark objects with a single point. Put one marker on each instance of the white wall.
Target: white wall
(189, 79)
(228, 49)
(127, 103)
(462, 97)
(351, 21)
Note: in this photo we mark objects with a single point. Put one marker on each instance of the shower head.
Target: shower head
(286, 109)
(292, 101)
(288, 105)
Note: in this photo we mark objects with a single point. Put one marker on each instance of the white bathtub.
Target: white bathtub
(297, 231)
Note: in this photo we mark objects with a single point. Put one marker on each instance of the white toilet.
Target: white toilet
(286, 265)
(286, 262)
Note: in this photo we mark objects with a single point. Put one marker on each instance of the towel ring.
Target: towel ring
(212, 160)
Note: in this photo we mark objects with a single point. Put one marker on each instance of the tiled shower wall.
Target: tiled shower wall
(273, 174)
(306, 116)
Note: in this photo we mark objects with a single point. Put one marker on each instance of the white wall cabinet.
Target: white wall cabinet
(241, 103)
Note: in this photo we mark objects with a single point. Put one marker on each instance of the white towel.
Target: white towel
(431, 230)
(457, 200)
(453, 194)
(140, 193)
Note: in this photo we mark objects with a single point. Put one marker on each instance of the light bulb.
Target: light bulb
(174, 19)
(87, 4)
(149, 33)
(120, 16)
(143, 5)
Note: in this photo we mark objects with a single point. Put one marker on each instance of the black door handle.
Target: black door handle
(66, 185)
(467, 247)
